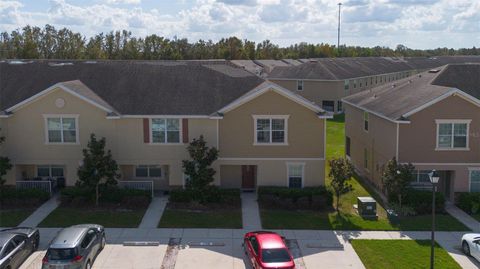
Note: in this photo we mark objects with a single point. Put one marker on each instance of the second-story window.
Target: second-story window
(62, 129)
(299, 85)
(365, 121)
(270, 129)
(452, 134)
(347, 84)
(165, 131)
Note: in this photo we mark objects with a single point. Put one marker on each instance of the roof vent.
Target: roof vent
(393, 85)
(433, 70)
(375, 96)
(409, 81)
(420, 75)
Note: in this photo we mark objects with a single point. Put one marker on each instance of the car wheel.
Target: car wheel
(88, 265)
(466, 248)
(103, 242)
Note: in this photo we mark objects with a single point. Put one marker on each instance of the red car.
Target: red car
(267, 250)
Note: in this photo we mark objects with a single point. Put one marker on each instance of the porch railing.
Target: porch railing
(35, 184)
(146, 185)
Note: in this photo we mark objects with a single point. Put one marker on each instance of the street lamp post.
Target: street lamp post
(434, 180)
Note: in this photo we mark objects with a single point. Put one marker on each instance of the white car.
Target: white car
(471, 245)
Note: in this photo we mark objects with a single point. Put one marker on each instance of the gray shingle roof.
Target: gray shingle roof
(135, 87)
(410, 93)
(347, 68)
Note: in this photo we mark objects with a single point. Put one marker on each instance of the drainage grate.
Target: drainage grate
(171, 254)
(292, 245)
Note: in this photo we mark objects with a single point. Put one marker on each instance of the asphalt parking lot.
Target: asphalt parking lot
(205, 248)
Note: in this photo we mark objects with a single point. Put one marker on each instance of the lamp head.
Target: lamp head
(434, 177)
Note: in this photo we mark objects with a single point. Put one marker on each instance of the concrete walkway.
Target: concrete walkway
(463, 217)
(42, 212)
(250, 212)
(154, 213)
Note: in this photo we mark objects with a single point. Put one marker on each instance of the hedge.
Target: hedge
(211, 195)
(10, 196)
(421, 201)
(468, 201)
(288, 198)
(111, 196)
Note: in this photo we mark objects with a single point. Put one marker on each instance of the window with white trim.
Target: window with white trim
(148, 171)
(62, 129)
(299, 85)
(365, 121)
(271, 130)
(475, 180)
(165, 130)
(452, 135)
(347, 84)
(295, 175)
(421, 176)
(50, 171)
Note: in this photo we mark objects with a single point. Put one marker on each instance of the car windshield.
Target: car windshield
(275, 255)
(61, 253)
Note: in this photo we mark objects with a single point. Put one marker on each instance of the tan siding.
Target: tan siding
(231, 176)
(305, 130)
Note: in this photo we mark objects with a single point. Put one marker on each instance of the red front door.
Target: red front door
(248, 176)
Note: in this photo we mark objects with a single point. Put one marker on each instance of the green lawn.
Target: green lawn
(13, 217)
(348, 218)
(182, 218)
(66, 216)
(412, 254)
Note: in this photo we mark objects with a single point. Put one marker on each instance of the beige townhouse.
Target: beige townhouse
(149, 111)
(431, 120)
(326, 81)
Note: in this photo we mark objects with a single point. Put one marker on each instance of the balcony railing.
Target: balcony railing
(146, 185)
(45, 185)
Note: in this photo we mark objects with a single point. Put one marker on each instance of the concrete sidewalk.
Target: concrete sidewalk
(463, 217)
(42, 212)
(154, 213)
(250, 212)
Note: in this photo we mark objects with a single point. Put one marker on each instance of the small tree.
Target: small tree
(198, 168)
(341, 170)
(5, 165)
(98, 166)
(396, 180)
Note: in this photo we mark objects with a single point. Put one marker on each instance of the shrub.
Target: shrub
(10, 196)
(209, 195)
(468, 202)
(421, 201)
(288, 198)
(84, 196)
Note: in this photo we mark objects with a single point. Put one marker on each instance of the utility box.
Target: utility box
(367, 207)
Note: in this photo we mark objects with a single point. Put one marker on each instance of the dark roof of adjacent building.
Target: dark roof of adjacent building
(357, 67)
(133, 87)
(395, 100)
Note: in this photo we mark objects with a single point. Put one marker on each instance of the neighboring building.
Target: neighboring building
(326, 81)
(431, 120)
(148, 111)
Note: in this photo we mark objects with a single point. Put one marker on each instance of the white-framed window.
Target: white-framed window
(365, 121)
(474, 178)
(271, 130)
(295, 174)
(452, 134)
(61, 129)
(148, 171)
(50, 171)
(354, 83)
(299, 85)
(347, 84)
(165, 131)
(421, 176)
(339, 106)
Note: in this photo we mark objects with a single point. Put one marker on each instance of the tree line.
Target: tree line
(32, 42)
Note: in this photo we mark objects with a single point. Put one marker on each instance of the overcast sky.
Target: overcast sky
(414, 23)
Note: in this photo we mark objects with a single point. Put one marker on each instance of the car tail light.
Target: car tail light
(45, 260)
(77, 258)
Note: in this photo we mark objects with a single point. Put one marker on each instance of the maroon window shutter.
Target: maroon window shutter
(146, 131)
(185, 130)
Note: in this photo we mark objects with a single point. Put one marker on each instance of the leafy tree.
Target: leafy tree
(396, 180)
(341, 170)
(98, 168)
(198, 168)
(5, 165)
